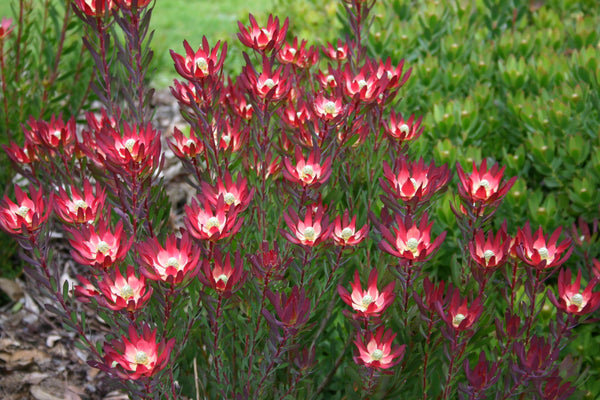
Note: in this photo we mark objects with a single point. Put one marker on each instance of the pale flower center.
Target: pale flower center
(202, 64)
(307, 172)
(269, 83)
(543, 252)
(485, 184)
(310, 234)
(129, 143)
(126, 291)
(229, 198)
(340, 50)
(329, 107)
(292, 51)
(173, 262)
(404, 129)
(330, 78)
(412, 245)
(366, 301)
(103, 247)
(80, 204)
(57, 134)
(376, 355)
(346, 234)
(223, 278)
(189, 142)
(488, 254)
(212, 222)
(141, 357)
(458, 318)
(361, 83)
(22, 211)
(226, 139)
(577, 300)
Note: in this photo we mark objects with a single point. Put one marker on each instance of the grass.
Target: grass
(176, 20)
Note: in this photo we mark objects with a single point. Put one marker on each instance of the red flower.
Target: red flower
(537, 358)
(292, 311)
(128, 4)
(99, 247)
(540, 252)
(339, 53)
(365, 85)
(186, 146)
(310, 232)
(327, 109)
(296, 115)
(270, 85)
(78, 207)
(344, 232)
(124, 292)
(432, 295)
(211, 223)
(139, 356)
(24, 155)
(94, 8)
(263, 38)
(27, 213)
(187, 93)
(483, 186)
(297, 55)
(570, 297)
(83, 293)
(222, 277)
(200, 64)
(491, 252)
(375, 351)
(6, 27)
(482, 376)
(369, 302)
(393, 74)
(458, 316)
(52, 135)
(414, 182)
(403, 130)
(327, 80)
(175, 262)
(308, 172)
(410, 241)
(234, 193)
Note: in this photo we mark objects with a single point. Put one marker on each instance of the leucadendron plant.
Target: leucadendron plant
(309, 263)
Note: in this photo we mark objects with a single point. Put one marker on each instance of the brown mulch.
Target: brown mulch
(38, 357)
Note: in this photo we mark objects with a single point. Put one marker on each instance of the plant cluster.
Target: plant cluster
(304, 179)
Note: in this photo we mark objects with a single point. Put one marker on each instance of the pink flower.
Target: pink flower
(6, 27)
(124, 292)
(200, 64)
(310, 232)
(375, 351)
(344, 232)
(296, 115)
(267, 85)
(414, 182)
(369, 302)
(135, 146)
(364, 85)
(483, 186)
(28, 214)
(297, 55)
(205, 222)
(541, 252)
(327, 109)
(459, 316)
(308, 172)
(21, 155)
(403, 130)
(410, 241)
(79, 207)
(175, 262)
(138, 356)
(337, 53)
(186, 146)
(570, 297)
(491, 252)
(128, 4)
(99, 247)
(94, 8)
(53, 135)
(393, 74)
(263, 39)
(222, 277)
(234, 193)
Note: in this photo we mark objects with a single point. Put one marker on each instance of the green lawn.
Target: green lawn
(176, 20)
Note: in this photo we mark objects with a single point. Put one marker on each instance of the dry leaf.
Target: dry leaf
(12, 289)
